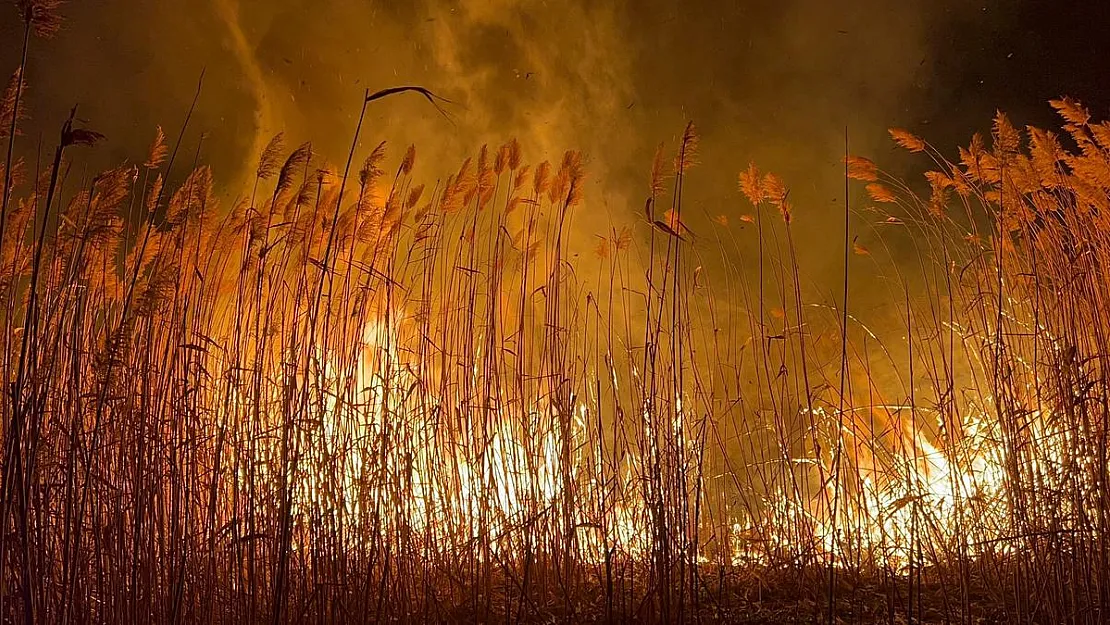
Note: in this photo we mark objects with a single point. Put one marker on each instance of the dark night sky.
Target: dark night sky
(1015, 58)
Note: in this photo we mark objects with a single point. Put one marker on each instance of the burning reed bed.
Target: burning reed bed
(353, 397)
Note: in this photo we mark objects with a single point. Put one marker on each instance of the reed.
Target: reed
(357, 396)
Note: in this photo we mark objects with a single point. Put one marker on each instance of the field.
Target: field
(371, 394)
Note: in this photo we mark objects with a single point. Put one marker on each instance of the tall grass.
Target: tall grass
(353, 396)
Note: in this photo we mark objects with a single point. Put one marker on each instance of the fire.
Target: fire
(507, 480)
(433, 396)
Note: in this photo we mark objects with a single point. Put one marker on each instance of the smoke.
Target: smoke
(777, 83)
(240, 49)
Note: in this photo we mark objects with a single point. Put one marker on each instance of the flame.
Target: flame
(523, 475)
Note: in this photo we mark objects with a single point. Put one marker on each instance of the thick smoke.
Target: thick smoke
(777, 83)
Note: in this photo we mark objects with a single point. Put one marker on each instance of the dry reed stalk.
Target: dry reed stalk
(413, 404)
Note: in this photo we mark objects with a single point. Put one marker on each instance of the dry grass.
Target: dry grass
(351, 397)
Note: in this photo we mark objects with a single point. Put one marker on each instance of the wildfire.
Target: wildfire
(426, 394)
